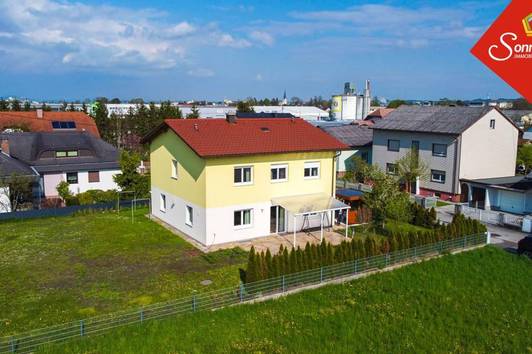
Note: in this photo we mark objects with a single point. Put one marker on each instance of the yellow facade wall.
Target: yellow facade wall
(190, 181)
(221, 191)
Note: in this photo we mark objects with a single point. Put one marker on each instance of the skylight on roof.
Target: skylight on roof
(56, 124)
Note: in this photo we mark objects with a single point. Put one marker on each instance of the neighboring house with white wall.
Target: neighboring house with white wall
(81, 159)
(509, 194)
(359, 139)
(457, 143)
(11, 168)
(225, 180)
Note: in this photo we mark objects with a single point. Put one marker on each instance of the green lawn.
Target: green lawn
(440, 203)
(55, 270)
(474, 302)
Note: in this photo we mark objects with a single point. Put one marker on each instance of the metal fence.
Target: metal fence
(28, 341)
(69, 210)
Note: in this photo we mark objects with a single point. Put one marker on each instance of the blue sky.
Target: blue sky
(62, 49)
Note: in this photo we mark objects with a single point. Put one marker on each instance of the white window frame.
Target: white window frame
(394, 173)
(189, 215)
(440, 172)
(162, 203)
(279, 167)
(242, 225)
(492, 126)
(174, 166)
(436, 154)
(311, 165)
(247, 183)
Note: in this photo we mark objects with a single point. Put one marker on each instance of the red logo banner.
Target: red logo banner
(506, 47)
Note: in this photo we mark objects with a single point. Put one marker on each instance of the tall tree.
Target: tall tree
(194, 113)
(71, 108)
(410, 167)
(27, 106)
(18, 190)
(130, 179)
(396, 103)
(101, 118)
(4, 106)
(244, 106)
(15, 105)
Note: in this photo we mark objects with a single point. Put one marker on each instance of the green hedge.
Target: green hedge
(264, 265)
(92, 196)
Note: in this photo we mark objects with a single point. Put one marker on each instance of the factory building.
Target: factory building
(350, 105)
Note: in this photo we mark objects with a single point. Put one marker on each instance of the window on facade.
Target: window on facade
(492, 124)
(439, 150)
(63, 124)
(312, 170)
(162, 203)
(243, 175)
(94, 176)
(66, 153)
(242, 217)
(72, 177)
(391, 168)
(437, 176)
(189, 215)
(279, 172)
(393, 145)
(174, 169)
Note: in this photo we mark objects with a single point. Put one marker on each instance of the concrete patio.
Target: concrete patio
(273, 242)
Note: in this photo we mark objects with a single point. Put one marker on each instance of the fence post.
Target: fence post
(12, 343)
(415, 251)
(386, 257)
(241, 292)
(488, 237)
(141, 315)
(321, 274)
(81, 328)
(356, 264)
(194, 303)
(465, 241)
(284, 287)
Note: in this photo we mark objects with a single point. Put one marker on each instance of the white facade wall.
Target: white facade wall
(486, 152)
(51, 181)
(175, 214)
(215, 225)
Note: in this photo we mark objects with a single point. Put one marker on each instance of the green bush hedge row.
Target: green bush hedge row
(264, 265)
(92, 196)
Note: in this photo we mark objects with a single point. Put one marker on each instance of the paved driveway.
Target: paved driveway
(500, 236)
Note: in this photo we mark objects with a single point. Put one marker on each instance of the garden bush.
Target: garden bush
(263, 265)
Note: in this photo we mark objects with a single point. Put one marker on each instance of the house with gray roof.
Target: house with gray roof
(79, 158)
(457, 143)
(358, 137)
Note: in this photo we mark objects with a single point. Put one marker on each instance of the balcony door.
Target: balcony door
(277, 219)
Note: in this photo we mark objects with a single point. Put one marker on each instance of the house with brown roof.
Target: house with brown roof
(226, 180)
(44, 121)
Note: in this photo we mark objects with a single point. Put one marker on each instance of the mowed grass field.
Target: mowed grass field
(473, 302)
(56, 270)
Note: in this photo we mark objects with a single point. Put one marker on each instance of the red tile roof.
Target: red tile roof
(83, 121)
(218, 137)
(380, 113)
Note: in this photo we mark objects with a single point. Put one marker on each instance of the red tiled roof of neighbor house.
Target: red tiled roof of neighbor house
(379, 113)
(219, 137)
(34, 123)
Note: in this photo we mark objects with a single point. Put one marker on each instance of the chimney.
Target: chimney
(196, 127)
(39, 113)
(230, 118)
(4, 146)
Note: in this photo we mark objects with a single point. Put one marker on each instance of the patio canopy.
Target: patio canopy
(309, 203)
(302, 205)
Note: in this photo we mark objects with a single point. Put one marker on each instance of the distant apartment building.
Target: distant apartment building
(305, 112)
(457, 143)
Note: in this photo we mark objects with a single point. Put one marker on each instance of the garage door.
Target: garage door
(512, 202)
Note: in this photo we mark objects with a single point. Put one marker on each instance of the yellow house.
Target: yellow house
(224, 180)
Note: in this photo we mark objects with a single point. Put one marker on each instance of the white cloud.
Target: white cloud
(262, 37)
(227, 40)
(58, 34)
